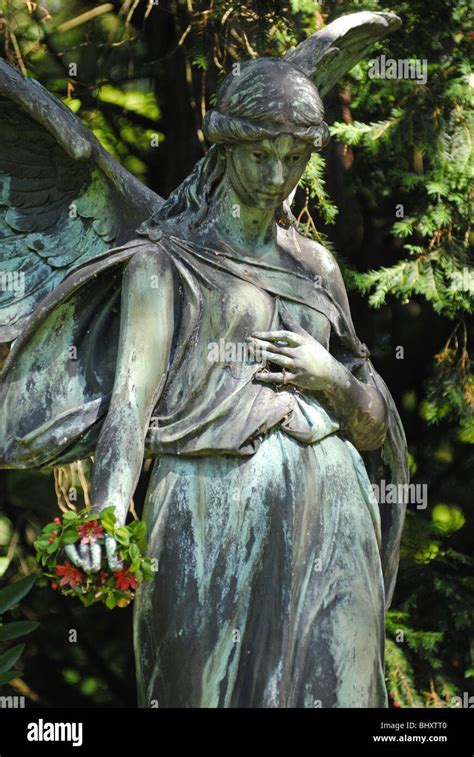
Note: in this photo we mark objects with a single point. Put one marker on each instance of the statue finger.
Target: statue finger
(73, 555)
(262, 344)
(275, 378)
(111, 549)
(85, 553)
(275, 357)
(96, 556)
(280, 336)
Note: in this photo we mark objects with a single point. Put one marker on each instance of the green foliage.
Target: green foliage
(10, 596)
(419, 159)
(411, 169)
(426, 666)
(313, 180)
(113, 586)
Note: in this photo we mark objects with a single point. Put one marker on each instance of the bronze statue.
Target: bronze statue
(207, 333)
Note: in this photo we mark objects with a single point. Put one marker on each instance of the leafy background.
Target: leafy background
(390, 196)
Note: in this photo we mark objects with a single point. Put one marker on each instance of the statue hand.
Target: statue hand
(89, 556)
(304, 361)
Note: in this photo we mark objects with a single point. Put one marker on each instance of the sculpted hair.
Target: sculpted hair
(264, 98)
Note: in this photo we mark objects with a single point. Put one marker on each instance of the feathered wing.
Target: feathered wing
(64, 199)
(330, 53)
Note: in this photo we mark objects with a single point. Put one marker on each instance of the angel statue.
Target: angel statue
(274, 559)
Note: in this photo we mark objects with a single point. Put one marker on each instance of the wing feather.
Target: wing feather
(332, 51)
(63, 198)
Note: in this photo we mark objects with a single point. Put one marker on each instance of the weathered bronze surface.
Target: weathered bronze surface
(207, 333)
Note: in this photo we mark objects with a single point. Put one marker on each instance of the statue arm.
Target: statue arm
(358, 405)
(146, 330)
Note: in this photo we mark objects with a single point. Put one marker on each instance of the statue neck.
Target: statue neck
(252, 228)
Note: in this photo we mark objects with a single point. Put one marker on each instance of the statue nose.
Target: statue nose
(276, 178)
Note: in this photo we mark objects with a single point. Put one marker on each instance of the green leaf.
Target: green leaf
(41, 543)
(137, 529)
(122, 536)
(147, 569)
(70, 536)
(70, 516)
(19, 628)
(10, 657)
(87, 599)
(110, 601)
(7, 677)
(49, 528)
(108, 518)
(4, 563)
(12, 594)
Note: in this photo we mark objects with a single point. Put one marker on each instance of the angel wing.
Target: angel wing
(63, 198)
(328, 54)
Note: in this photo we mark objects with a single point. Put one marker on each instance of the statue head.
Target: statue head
(268, 110)
(263, 99)
(267, 120)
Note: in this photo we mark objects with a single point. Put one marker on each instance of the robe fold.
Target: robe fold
(273, 553)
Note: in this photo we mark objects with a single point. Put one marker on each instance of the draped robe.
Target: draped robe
(275, 561)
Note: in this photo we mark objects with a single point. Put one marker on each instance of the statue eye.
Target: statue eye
(258, 155)
(295, 158)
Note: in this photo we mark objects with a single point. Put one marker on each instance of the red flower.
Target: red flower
(101, 581)
(54, 585)
(90, 532)
(57, 521)
(70, 575)
(125, 580)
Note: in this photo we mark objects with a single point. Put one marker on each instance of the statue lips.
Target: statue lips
(270, 198)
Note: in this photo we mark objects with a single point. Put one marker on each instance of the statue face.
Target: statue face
(264, 173)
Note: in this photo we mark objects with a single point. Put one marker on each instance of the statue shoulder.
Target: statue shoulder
(150, 259)
(315, 257)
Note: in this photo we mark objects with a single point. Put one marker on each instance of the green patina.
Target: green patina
(275, 561)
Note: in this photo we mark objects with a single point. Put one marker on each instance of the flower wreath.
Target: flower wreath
(113, 587)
